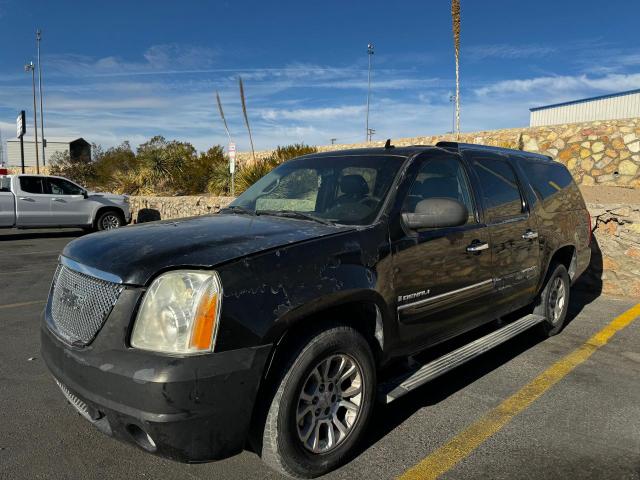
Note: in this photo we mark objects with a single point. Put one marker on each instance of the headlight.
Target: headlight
(179, 313)
(125, 199)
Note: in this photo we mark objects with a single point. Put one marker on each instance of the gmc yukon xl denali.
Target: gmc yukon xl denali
(275, 325)
(44, 201)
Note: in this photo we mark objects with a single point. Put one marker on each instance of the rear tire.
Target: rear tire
(553, 301)
(109, 220)
(324, 395)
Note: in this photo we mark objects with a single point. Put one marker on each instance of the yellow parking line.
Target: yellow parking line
(459, 447)
(22, 304)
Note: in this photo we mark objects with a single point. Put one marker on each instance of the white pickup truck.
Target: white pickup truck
(40, 201)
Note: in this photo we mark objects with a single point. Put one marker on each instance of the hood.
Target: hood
(136, 253)
(107, 196)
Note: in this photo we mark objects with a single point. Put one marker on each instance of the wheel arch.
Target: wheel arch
(364, 310)
(565, 255)
(105, 208)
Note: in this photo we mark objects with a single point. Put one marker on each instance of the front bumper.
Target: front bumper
(189, 409)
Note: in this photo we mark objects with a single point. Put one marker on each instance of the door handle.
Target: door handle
(477, 247)
(27, 199)
(530, 235)
(57, 199)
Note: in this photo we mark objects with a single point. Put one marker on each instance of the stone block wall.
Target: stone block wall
(596, 153)
(615, 249)
(146, 209)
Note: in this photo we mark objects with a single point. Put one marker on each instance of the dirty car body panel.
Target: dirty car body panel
(279, 273)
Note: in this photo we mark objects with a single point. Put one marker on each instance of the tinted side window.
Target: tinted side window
(547, 178)
(440, 178)
(32, 184)
(499, 188)
(58, 186)
(5, 184)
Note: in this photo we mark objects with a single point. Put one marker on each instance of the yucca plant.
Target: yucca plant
(455, 17)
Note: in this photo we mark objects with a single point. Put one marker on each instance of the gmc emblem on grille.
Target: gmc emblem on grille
(71, 300)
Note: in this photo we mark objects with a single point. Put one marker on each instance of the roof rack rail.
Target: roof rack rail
(453, 146)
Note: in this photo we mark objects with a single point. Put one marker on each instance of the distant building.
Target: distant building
(604, 107)
(76, 147)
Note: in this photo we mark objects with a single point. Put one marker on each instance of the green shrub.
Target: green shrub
(81, 170)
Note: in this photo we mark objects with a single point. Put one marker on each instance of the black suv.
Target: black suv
(274, 325)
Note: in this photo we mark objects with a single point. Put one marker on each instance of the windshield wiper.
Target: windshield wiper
(238, 209)
(294, 214)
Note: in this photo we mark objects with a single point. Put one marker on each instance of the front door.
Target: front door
(513, 231)
(68, 205)
(33, 203)
(442, 276)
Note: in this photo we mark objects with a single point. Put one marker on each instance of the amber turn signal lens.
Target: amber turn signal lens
(205, 323)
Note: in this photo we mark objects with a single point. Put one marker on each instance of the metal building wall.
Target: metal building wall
(12, 157)
(610, 108)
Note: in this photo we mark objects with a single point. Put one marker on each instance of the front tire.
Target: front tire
(553, 301)
(324, 398)
(109, 220)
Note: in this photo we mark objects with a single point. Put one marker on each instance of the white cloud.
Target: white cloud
(165, 58)
(562, 84)
(506, 51)
(307, 114)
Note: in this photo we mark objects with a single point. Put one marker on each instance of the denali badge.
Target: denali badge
(411, 296)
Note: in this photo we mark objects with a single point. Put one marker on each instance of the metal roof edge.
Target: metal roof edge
(583, 100)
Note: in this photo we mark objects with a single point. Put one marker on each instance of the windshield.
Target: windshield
(346, 189)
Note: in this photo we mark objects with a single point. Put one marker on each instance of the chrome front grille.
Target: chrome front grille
(80, 304)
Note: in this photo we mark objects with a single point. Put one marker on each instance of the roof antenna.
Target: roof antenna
(388, 145)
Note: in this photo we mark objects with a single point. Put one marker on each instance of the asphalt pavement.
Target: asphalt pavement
(587, 425)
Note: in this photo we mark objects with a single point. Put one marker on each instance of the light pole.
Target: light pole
(452, 100)
(369, 55)
(30, 68)
(38, 37)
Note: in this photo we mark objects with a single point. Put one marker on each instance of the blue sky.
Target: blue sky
(117, 70)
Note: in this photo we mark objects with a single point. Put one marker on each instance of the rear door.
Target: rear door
(33, 202)
(443, 287)
(513, 231)
(68, 205)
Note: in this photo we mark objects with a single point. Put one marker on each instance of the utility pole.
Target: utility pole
(30, 68)
(370, 132)
(38, 38)
(369, 55)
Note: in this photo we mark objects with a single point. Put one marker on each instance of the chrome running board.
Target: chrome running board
(395, 389)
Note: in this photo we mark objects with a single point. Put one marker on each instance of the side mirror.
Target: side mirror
(436, 213)
(85, 194)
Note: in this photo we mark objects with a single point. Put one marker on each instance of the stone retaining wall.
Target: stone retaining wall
(602, 153)
(146, 209)
(615, 249)
(615, 265)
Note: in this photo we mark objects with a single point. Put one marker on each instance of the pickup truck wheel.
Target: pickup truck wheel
(109, 220)
(553, 301)
(322, 404)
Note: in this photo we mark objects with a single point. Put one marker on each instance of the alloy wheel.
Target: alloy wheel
(329, 403)
(557, 298)
(109, 222)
